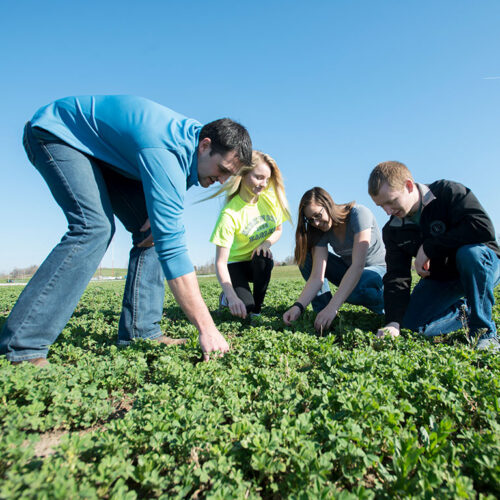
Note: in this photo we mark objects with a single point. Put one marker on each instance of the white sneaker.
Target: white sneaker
(491, 344)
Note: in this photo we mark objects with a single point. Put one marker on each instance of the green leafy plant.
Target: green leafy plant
(287, 413)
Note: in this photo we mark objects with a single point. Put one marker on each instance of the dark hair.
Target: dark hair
(227, 135)
(306, 235)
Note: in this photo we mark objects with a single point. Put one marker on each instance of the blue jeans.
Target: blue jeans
(89, 192)
(369, 291)
(440, 307)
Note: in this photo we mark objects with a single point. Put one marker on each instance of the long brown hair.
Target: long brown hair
(306, 235)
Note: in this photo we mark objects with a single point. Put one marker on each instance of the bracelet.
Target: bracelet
(299, 305)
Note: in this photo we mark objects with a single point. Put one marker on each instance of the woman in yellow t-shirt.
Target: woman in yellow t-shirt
(247, 226)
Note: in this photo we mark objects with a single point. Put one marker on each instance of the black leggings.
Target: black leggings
(258, 271)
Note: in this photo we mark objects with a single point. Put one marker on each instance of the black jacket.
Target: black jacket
(451, 217)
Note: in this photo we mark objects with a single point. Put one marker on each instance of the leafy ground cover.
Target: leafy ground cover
(287, 414)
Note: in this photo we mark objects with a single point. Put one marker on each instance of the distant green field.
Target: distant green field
(105, 272)
(279, 272)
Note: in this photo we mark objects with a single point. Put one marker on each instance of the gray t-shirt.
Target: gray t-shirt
(359, 219)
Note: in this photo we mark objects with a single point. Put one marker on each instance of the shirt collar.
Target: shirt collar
(425, 193)
(426, 196)
(192, 177)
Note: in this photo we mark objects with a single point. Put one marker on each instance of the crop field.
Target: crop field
(286, 414)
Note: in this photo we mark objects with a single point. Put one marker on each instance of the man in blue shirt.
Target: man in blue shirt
(126, 156)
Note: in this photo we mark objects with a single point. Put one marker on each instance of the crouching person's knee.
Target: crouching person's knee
(250, 307)
(470, 258)
(245, 295)
(262, 263)
(94, 232)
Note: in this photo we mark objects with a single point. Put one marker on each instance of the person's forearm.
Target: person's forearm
(222, 272)
(274, 237)
(396, 298)
(187, 294)
(309, 291)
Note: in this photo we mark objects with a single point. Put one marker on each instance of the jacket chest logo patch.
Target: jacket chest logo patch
(437, 227)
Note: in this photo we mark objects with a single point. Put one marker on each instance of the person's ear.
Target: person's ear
(205, 145)
(410, 185)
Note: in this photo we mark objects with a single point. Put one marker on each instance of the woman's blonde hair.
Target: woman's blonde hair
(232, 187)
(306, 235)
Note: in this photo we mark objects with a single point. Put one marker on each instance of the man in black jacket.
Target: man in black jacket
(449, 233)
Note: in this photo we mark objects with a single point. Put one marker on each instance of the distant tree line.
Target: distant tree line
(24, 272)
(207, 268)
(289, 261)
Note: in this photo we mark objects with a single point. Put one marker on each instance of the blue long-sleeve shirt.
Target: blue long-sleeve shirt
(145, 141)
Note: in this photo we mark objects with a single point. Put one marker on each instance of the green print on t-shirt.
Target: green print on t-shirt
(261, 222)
(262, 234)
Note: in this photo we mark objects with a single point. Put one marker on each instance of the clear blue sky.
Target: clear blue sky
(328, 88)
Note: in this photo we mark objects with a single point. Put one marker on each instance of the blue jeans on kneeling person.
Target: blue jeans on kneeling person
(440, 307)
(369, 292)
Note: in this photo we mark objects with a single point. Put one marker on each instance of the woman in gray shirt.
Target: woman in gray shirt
(356, 268)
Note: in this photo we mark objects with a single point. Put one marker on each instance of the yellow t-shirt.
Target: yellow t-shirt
(243, 226)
